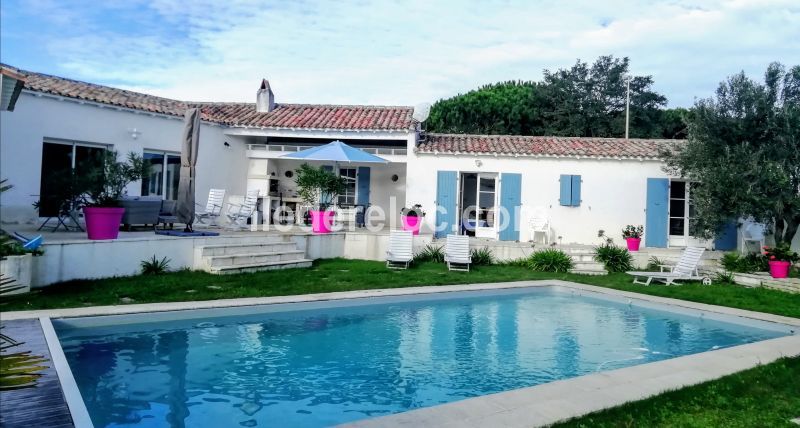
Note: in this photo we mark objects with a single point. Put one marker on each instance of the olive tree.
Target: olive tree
(743, 151)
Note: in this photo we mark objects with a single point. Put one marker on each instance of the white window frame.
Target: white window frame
(346, 194)
(164, 157)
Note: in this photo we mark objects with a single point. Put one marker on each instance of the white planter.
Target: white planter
(20, 269)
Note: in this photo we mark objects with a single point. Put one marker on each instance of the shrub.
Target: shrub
(724, 278)
(781, 253)
(431, 253)
(654, 264)
(615, 259)
(750, 263)
(482, 256)
(155, 266)
(550, 260)
(632, 231)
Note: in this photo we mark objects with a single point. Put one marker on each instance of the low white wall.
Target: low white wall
(371, 246)
(20, 269)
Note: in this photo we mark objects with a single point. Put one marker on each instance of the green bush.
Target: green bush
(482, 256)
(654, 264)
(549, 260)
(615, 259)
(724, 278)
(754, 262)
(155, 266)
(431, 253)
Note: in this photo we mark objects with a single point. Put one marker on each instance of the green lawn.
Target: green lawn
(344, 275)
(765, 396)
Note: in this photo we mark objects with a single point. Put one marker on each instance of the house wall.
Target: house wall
(37, 118)
(613, 192)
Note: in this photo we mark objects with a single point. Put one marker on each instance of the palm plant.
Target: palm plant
(19, 369)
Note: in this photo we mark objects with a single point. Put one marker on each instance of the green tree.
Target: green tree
(743, 151)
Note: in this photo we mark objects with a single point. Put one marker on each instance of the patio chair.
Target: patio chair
(456, 253)
(239, 213)
(213, 207)
(686, 269)
(167, 214)
(400, 252)
(753, 232)
(540, 225)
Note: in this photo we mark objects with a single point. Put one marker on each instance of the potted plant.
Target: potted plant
(780, 260)
(412, 218)
(319, 187)
(633, 236)
(105, 185)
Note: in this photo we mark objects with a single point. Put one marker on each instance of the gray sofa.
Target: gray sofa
(140, 210)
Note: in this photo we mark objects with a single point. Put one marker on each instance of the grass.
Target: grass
(765, 396)
(344, 275)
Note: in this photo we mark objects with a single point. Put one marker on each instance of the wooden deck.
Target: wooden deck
(43, 406)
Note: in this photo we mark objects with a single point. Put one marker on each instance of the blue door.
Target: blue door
(655, 229)
(446, 207)
(363, 185)
(510, 190)
(726, 238)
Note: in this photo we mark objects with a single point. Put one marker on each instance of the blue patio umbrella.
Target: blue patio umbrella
(336, 151)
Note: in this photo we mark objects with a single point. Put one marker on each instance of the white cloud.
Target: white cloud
(352, 51)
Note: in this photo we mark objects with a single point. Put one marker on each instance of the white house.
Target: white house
(487, 186)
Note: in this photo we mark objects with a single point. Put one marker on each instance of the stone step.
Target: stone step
(246, 248)
(246, 239)
(588, 265)
(257, 267)
(253, 258)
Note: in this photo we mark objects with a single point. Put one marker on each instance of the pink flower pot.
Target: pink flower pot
(633, 243)
(322, 221)
(779, 269)
(103, 222)
(411, 223)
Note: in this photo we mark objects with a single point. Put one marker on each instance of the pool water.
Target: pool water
(312, 365)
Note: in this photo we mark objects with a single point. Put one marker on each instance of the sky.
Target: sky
(389, 52)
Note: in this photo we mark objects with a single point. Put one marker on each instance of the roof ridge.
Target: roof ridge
(558, 137)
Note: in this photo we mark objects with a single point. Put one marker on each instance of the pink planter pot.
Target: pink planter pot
(322, 221)
(633, 243)
(411, 223)
(779, 269)
(103, 222)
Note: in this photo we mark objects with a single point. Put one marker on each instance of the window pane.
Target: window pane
(677, 208)
(677, 189)
(486, 200)
(486, 218)
(152, 183)
(173, 176)
(56, 164)
(487, 184)
(676, 226)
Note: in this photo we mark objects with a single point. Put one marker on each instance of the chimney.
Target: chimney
(265, 100)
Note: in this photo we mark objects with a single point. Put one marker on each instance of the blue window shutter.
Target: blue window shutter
(566, 190)
(576, 190)
(655, 229)
(510, 192)
(363, 185)
(726, 239)
(446, 193)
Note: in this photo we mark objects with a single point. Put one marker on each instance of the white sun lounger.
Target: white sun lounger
(686, 269)
(400, 252)
(456, 253)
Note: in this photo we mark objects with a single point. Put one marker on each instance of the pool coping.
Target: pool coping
(532, 406)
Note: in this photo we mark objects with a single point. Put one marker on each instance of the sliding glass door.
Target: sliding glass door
(163, 176)
(59, 159)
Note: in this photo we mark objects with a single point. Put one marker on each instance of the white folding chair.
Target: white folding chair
(400, 252)
(752, 232)
(685, 269)
(213, 209)
(239, 213)
(456, 252)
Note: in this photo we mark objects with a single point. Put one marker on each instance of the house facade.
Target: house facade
(491, 187)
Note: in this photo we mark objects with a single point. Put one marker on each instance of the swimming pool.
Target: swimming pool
(326, 363)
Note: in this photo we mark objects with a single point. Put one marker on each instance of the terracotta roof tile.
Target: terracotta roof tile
(544, 146)
(306, 116)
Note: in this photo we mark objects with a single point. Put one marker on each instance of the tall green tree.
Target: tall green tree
(743, 151)
(582, 100)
